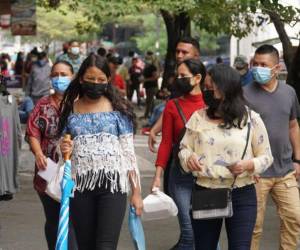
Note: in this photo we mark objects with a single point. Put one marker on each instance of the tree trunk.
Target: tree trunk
(294, 72)
(284, 38)
(177, 25)
(288, 50)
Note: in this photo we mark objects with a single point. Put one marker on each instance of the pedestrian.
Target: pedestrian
(136, 74)
(242, 66)
(25, 107)
(191, 73)
(104, 164)
(219, 60)
(65, 49)
(187, 47)
(41, 135)
(73, 56)
(102, 52)
(114, 62)
(39, 82)
(279, 107)
(151, 85)
(19, 65)
(219, 133)
(31, 58)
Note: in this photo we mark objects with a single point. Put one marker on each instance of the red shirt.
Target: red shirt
(118, 82)
(42, 125)
(173, 124)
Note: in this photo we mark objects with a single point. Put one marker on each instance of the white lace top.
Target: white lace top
(103, 152)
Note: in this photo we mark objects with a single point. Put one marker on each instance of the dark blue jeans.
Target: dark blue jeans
(180, 189)
(239, 227)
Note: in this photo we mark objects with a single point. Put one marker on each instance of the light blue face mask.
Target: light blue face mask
(75, 50)
(60, 83)
(262, 75)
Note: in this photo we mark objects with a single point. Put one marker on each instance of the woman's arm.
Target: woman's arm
(40, 158)
(165, 147)
(260, 146)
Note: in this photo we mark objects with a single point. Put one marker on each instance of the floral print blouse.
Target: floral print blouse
(219, 147)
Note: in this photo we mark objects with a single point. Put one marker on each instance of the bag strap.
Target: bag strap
(247, 142)
(182, 116)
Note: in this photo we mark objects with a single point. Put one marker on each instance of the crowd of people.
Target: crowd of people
(222, 127)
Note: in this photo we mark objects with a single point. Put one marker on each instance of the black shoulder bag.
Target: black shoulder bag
(208, 203)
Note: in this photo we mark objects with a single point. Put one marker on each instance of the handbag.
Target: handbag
(208, 203)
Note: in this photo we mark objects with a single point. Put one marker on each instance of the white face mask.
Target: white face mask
(75, 50)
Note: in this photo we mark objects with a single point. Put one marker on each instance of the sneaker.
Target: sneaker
(175, 247)
(145, 131)
(6, 197)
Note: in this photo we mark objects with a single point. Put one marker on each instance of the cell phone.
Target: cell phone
(224, 163)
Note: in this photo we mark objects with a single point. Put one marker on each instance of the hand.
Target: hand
(137, 202)
(152, 142)
(297, 169)
(41, 161)
(155, 183)
(193, 163)
(66, 146)
(241, 166)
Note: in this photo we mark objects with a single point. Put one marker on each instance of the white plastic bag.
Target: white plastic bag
(54, 185)
(158, 205)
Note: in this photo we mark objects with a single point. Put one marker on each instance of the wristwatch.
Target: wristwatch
(296, 161)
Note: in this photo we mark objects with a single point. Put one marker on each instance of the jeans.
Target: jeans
(157, 111)
(51, 210)
(180, 189)
(285, 194)
(239, 227)
(25, 108)
(97, 218)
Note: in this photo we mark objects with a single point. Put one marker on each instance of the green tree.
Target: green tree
(231, 17)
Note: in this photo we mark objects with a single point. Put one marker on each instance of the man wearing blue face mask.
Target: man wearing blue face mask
(38, 84)
(278, 106)
(73, 56)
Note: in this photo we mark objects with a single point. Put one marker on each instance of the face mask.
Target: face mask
(183, 85)
(93, 90)
(42, 62)
(262, 75)
(60, 83)
(210, 100)
(75, 50)
(242, 71)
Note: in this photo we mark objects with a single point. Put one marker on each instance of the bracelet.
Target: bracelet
(296, 161)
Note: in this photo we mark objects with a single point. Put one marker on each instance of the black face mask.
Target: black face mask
(93, 90)
(209, 99)
(183, 85)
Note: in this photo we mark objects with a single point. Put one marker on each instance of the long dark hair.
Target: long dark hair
(66, 63)
(196, 67)
(74, 90)
(233, 108)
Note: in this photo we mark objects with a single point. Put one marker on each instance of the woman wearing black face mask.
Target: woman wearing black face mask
(191, 73)
(104, 164)
(225, 146)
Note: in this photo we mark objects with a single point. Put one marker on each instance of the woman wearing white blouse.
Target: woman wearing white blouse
(212, 149)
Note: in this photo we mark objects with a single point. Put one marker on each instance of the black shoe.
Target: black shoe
(175, 247)
(6, 197)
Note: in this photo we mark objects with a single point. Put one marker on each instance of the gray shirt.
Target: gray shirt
(277, 109)
(39, 84)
